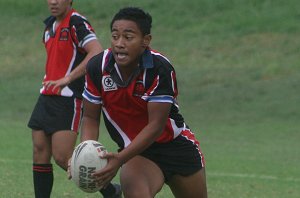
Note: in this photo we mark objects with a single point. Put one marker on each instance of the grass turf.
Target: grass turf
(237, 65)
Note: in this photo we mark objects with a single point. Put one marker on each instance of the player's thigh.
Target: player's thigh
(141, 177)
(193, 186)
(41, 147)
(63, 143)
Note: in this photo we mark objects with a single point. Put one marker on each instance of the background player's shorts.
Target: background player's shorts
(181, 156)
(56, 113)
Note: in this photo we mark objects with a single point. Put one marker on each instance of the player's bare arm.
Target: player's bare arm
(90, 121)
(92, 48)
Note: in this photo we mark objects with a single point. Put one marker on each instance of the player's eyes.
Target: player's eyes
(114, 37)
(129, 38)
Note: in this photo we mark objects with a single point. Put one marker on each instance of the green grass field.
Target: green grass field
(238, 70)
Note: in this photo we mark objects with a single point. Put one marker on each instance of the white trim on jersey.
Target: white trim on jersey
(72, 60)
(91, 98)
(77, 14)
(87, 39)
(159, 54)
(176, 130)
(104, 59)
(125, 138)
(160, 98)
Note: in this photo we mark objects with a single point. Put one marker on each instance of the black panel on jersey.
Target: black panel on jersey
(94, 70)
(81, 30)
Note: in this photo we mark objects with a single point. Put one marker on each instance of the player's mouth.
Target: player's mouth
(54, 10)
(120, 56)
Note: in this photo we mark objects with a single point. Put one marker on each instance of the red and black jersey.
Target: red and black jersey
(124, 105)
(65, 50)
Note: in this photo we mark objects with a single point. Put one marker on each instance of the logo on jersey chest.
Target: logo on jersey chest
(139, 89)
(108, 84)
(64, 34)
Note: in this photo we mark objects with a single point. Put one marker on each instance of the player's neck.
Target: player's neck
(61, 17)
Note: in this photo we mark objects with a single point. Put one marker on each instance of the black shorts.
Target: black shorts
(56, 113)
(181, 156)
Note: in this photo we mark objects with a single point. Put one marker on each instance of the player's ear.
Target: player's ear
(146, 40)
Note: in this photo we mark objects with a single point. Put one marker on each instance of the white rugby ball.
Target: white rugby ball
(85, 161)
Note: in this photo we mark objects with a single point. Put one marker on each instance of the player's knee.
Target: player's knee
(41, 154)
(61, 161)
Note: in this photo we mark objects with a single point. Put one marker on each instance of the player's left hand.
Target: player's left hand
(105, 175)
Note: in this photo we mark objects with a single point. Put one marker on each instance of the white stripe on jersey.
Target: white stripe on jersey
(158, 54)
(72, 60)
(105, 53)
(176, 130)
(125, 138)
(90, 97)
(77, 14)
(87, 39)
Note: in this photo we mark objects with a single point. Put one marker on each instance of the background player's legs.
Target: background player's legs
(42, 168)
(63, 143)
(141, 177)
(193, 186)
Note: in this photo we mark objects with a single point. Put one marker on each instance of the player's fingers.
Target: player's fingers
(106, 155)
(47, 84)
(56, 89)
(69, 170)
(104, 180)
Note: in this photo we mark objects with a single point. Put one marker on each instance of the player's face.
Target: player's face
(59, 8)
(127, 43)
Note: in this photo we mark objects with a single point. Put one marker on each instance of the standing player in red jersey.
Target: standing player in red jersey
(135, 87)
(70, 42)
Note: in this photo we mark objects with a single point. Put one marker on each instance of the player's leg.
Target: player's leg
(65, 120)
(140, 177)
(63, 143)
(42, 168)
(193, 186)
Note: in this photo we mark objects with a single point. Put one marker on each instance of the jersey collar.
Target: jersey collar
(146, 61)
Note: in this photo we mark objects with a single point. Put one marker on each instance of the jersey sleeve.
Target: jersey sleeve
(164, 85)
(81, 30)
(92, 88)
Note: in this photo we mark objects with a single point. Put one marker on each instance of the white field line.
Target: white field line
(252, 176)
(211, 174)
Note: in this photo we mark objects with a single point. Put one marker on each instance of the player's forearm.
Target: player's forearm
(89, 129)
(157, 119)
(142, 141)
(92, 48)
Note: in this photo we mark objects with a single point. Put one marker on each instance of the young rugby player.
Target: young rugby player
(135, 87)
(70, 42)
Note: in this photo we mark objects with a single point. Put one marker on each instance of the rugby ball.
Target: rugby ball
(85, 161)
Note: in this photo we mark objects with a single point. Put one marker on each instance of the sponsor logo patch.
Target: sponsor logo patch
(108, 84)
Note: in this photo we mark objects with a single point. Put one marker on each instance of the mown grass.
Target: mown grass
(238, 69)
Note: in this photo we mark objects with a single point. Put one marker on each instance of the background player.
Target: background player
(70, 42)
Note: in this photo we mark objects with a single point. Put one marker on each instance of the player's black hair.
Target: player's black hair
(139, 16)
